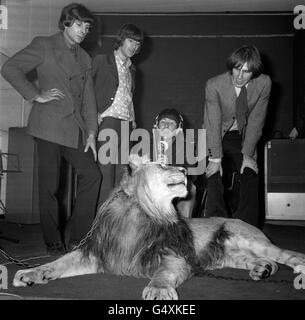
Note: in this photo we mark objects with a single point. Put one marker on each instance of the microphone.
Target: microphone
(163, 145)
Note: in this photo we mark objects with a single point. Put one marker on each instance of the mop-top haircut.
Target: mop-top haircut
(170, 114)
(129, 31)
(246, 54)
(72, 12)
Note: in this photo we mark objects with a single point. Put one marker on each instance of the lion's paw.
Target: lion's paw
(28, 277)
(156, 293)
(263, 271)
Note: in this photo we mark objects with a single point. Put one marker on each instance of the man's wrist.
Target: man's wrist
(247, 157)
(35, 98)
(91, 134)
(216, 160)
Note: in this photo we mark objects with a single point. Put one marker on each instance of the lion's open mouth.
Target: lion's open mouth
(182, 182)
(175, 184)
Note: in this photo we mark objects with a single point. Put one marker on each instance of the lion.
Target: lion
(137, 232)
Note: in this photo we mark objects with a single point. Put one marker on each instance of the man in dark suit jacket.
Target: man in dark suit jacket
(234, 115)
(114, 81)
(63, 119)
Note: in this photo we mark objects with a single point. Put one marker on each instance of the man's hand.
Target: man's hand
(49, 95)
(134, 125)
(293, 134)
(249, 162)
(99, 119)
(91, 144)
(212, 168)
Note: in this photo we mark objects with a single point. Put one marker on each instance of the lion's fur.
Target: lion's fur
(138, 232)
(143, 230)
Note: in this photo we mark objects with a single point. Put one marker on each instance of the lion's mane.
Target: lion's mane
(128, 240)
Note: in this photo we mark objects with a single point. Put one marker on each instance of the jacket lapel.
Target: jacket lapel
(133, 75)
(65, 58)
(113, 67)
(81, 64)
(251, 94)
(230, 93)
(62, 54)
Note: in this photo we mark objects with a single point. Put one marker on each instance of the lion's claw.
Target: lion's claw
(154, 293)
(31, 276)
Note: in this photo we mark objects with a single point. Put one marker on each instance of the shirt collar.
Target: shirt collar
(238, 88)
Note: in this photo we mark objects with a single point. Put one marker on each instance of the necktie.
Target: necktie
(241, 108)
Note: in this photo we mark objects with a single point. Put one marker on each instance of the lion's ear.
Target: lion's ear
(135, 161)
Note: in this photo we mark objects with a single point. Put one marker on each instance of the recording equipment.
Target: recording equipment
(285, 179)
(162, 147)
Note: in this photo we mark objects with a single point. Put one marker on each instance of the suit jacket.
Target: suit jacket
(219, 112)
(106, 80)
(57, 121)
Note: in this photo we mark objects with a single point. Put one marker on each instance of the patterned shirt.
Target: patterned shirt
(122, 106)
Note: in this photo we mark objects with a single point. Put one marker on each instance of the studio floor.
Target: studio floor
(226, 284)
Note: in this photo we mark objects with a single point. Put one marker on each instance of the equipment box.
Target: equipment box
(285, 179)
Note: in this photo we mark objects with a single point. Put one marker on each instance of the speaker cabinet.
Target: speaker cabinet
(285, 179)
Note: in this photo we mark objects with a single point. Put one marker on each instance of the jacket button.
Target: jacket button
(111, 98)
(83, 78)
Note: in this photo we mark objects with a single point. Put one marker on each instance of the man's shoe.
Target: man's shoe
(56, 249)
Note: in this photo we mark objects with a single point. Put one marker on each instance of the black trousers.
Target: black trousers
(112, 172)
(88, 177)
(247, 207)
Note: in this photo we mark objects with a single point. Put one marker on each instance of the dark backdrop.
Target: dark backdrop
(181, 51)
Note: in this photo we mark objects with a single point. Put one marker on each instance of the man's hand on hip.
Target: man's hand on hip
(49, 95)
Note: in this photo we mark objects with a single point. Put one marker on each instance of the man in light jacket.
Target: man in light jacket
(234, 115)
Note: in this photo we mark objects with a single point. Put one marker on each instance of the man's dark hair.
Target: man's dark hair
(72, 12)
(244, 54)
(172, 114)
(129, 31)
